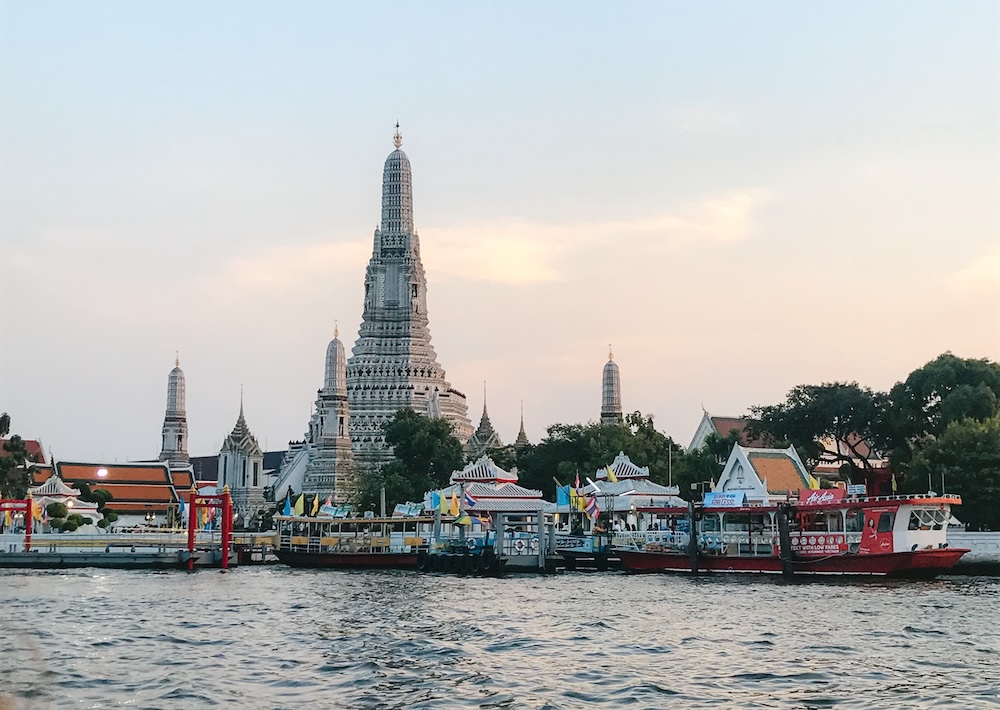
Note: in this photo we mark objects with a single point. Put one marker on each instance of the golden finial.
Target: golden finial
(336, 329)
(611, 355)
(177, 358)
(397, 137)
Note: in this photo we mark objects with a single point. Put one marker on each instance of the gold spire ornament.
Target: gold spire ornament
(397, 137)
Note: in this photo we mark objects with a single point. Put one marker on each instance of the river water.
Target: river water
(274, 637)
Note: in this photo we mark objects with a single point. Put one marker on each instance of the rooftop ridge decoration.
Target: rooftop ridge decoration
(483, 470)
(623, 467)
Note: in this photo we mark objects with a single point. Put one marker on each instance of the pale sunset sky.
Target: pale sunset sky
(739, 197)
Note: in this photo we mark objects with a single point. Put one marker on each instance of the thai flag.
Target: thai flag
(593, 510)
(470, 500)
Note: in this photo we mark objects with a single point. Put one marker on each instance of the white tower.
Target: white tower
(611, 392)
(393, 364)
(175, 431)
(331, 470)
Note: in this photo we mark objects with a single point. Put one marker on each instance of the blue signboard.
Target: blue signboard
(729, 499)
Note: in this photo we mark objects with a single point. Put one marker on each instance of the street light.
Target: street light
(700, 487)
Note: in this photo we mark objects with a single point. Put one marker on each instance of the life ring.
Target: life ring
(471, 543)
(422, 560)
(519, 545)
(533, 545)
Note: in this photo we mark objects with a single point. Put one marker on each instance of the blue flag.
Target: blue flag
(562, 495)
(288, 505)
(435, 501)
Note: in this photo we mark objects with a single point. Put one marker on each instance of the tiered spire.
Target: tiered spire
(174, 435)
(611, 392)
(522, 438)
(393, 365)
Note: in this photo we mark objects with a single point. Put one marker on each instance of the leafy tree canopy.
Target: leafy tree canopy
(840, 420)
(965, 460)
(15, 463)
(425, 453)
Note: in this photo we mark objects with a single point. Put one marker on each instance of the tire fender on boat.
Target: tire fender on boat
(422, 560)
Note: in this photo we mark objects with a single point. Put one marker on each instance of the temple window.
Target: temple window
(244, 478)
(256, 473)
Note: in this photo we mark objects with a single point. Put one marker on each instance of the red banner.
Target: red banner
(821, 497)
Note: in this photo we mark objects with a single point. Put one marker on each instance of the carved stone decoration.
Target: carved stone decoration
(393, 365)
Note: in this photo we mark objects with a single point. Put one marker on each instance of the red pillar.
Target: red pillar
(192, 524)
(29, 522)
(227, 525)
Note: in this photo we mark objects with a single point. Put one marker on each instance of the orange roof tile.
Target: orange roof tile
(182, 480)
(156, 474)
(780, 472)
(32, 446)
(725, 425)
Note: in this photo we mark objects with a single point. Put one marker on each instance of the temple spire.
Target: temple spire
(522, 438)
(397, 137)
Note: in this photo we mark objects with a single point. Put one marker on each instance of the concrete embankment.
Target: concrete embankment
(984, 552)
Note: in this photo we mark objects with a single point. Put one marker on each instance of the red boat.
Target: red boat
(823, 532)
(388, 543)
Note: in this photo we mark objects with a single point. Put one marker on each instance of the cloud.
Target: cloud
(521, 252)
(980, 276)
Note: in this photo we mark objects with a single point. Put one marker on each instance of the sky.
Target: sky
(738, 198)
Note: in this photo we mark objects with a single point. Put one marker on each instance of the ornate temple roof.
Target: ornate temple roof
(522, 438)
(241, 439)
(485, 436)
(623, 467)
(483, 470)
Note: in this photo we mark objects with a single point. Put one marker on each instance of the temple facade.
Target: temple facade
(241, 467)
(175, 432)
(393, 364)
(611, 392)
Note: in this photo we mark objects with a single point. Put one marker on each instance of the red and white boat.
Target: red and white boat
(823, 532)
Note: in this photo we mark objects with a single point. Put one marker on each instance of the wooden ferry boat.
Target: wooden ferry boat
(392, 543)
(822, 533)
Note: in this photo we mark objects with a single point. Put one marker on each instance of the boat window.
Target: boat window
(885, 521)
(734, 522)
(834, 522)
(924, 519)
(711, 523)
(855, 520)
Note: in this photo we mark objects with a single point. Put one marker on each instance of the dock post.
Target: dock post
(693, 537)
(540, 531)
(785, 542)
(29, 521)
(498, 542)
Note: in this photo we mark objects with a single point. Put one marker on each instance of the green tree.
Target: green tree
(56, 510)
(16, 466)
(945, 390)
(965, 460)
(425, 452)
(100, 496)
(837, 421)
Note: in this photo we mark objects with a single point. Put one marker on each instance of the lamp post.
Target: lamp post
(700, 487)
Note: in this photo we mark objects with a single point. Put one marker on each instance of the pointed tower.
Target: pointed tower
(175, 429)
(611, 392)
(485, 437)
(331, 470)
(393, 364)
(522, 438)
(241, 467)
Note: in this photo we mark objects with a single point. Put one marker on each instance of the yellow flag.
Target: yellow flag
(36, 511)
(300, 505)
(464, 520)
(315, 508)
(6, 518)
(813, 483)
(612, 478)
(443, 506)
(453, 508)
(204, 515)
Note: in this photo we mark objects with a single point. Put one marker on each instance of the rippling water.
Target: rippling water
(273, 637)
